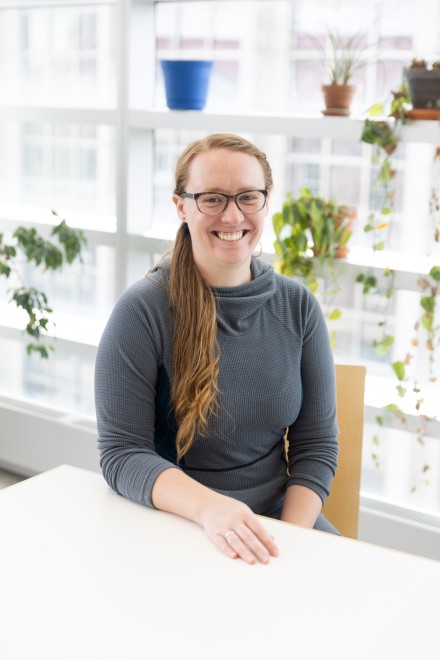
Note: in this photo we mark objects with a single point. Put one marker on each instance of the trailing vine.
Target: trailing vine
(384, 135)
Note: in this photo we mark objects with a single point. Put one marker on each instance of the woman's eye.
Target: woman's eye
(212, 200)
(248, 197)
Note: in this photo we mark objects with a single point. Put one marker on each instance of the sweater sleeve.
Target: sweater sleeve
(128, 360)
(313, 444)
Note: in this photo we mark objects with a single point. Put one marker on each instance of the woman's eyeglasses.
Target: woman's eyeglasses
(249, 201)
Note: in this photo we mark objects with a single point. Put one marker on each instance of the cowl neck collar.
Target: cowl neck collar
(238, 307)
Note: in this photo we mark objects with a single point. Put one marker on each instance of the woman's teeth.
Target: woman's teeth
(230, 237)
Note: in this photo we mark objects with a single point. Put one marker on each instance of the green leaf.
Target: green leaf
(399, 369)
(278, 223)
(376, 110)
(39, 348)
(427, 321)
(435, 273)
(401, 391)
(379, 246)
(392, 407)
(428, 303)
(5, 269)
(381, 347)
(334, 314)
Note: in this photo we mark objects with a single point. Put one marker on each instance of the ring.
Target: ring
(231, 531)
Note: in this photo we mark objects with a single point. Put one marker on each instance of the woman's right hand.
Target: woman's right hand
(236, 530)
(231, 525)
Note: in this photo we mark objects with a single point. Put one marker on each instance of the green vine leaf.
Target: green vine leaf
(399, 369)
(392, 407)
(383, 345)
(334, 314)
(428, 303)
(427, 322)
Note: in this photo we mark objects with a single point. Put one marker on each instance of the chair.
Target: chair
(342, 505)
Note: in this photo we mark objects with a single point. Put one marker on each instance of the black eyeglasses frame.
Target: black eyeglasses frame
(195, 197)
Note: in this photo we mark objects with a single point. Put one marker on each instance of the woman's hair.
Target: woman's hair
(196, 351)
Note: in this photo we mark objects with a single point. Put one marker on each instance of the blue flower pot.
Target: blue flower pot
(186, 83)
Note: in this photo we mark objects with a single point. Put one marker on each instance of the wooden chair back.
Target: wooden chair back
(342, 505)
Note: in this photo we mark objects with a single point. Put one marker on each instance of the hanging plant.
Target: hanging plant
(384, 135)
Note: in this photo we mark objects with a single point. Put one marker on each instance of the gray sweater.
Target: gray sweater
(276, 370)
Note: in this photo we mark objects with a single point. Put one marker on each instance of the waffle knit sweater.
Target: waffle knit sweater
(276, 371)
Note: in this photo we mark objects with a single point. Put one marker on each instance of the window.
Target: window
(65, 145)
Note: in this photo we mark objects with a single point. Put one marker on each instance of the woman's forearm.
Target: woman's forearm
(301, 506)
(175, 492)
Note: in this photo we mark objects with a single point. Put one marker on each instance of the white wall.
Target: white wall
(34, 439)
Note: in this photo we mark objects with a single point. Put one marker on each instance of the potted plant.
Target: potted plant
(311, 226)
(342, 59)
(64, 246)
(313, 231)
(423, 80)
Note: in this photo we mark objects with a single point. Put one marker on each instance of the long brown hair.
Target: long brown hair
(196, 351)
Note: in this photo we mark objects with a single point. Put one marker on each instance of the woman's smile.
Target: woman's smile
(230, 237)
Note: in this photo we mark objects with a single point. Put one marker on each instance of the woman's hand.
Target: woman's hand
(236, 531)
(230, 524)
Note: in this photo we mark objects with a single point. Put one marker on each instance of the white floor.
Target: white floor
(9, 479)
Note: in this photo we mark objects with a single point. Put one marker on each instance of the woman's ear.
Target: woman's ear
(180, 206)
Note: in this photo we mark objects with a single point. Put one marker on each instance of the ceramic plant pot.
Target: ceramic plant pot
(424, 88)
(186, 83)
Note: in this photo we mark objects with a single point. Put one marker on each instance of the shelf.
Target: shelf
(290, 125)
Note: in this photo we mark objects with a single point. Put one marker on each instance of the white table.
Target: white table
(86, 574)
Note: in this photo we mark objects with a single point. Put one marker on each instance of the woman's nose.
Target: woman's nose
(232, 214)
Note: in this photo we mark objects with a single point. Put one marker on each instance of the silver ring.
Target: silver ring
(231, 531)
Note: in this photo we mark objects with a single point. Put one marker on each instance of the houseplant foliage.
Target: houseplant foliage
(382, 129)
(310, 231)
(27, 245)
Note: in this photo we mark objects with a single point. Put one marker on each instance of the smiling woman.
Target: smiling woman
(189, 420)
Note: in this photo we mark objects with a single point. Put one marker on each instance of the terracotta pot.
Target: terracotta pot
(349, 212)
(337, 99)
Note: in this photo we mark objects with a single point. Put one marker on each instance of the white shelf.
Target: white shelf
(290, 125)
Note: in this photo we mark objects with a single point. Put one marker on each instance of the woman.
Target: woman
(205, 363)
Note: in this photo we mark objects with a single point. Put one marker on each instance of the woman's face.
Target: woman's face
(223, 243)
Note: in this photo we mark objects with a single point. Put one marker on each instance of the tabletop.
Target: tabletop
(85, 573)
